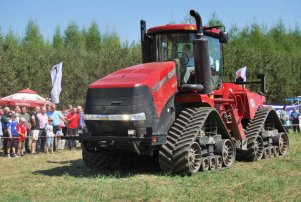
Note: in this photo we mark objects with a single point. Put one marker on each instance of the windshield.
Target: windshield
(173, 46)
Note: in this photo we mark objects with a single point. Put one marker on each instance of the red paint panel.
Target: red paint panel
(195, 98)
(245, 101)
(148, 74)
(254, 100)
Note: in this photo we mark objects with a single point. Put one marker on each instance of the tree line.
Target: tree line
(89, 54)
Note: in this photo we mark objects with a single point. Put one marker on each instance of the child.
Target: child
(61, 142)
(22, 132)
(49, 136)
(12, 128)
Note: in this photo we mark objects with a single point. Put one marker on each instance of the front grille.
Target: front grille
(119, 101)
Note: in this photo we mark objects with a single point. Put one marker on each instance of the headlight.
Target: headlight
(116, 117)
(138, 117)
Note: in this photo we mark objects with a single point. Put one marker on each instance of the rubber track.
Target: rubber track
(254, 129)
(180, 137)
(101, 160)
(180, 160)
(176, 130)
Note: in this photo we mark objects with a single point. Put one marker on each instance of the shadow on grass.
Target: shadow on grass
(77, 168)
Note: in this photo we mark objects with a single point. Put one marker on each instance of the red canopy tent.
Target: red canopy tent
(24, 98)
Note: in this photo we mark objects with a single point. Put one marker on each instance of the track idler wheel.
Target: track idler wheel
(282, 142)
(266, 153)
(276, 154)
(226, 150)
(212, 162)
(219, 162)
(272, 149)
(205, 164)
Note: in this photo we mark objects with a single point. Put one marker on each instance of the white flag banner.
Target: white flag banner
(56, 79)
(242, 72)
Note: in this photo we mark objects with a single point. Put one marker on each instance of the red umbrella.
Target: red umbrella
(24, 98)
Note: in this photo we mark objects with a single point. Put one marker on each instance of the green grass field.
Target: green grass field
(64, 177)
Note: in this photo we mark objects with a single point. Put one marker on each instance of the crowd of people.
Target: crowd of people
(290, 121)
(23, 132)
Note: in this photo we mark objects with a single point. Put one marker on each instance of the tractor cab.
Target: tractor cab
(175, 43)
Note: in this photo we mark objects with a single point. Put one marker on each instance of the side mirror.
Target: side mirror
(223, 37)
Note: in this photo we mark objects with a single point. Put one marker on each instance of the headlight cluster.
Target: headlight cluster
(116, 117)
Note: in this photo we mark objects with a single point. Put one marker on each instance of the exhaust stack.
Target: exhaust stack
(201, 56)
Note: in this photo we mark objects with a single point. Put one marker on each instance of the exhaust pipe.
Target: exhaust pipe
(201, 56)
(199, 24)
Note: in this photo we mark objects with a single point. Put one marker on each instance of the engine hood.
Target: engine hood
(147, 74)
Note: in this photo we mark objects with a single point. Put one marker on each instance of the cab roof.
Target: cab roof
(180, 27)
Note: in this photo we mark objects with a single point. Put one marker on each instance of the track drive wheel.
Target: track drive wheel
(99, 159)
(226, 150)
(189, 160)
(281, 140)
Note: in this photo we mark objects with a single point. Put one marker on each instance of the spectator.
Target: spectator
(47, 108)
(12, 127)
(72, 125)
(81, 117)
(22, 133)
(43, 120)
(64, 126)
(295, 120)
(284, 118)
(61, 143)
(56, 116)
(287, 125)
(70, 107)
(26, 116)
(49, 136)
(17, 111)
(1, 131)
(6, 132)
(283, 115)
(35, 130)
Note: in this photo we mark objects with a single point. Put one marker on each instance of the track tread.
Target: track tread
(173, 155)
(254, 129)
(101, 159)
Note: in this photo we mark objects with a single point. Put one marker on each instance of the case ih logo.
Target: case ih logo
(158, 85)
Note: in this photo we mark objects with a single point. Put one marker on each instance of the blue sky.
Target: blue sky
(124, 16)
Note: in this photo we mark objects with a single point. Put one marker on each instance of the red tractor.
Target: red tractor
(175, 106)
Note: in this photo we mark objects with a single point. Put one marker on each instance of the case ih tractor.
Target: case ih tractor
(175, 106)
